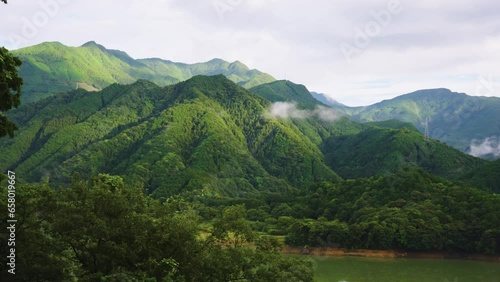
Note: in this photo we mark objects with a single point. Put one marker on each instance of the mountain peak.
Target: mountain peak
(325, 99)
(90, 43)
(238, 66)
(217, 61)
(286, 91)
(93, 64)
(93, 44)
(437, 93)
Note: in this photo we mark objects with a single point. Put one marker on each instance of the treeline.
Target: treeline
(411, 210)
(104, 230)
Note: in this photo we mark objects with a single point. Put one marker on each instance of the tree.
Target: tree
(10, 88)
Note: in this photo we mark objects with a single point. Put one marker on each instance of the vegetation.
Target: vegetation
(211, 135)
(408, 211)
(10, 89)
(50, 68)
(486, 177)
(286, 91)
(454, 118)
(204, 134)
(193, 181)
(104, 230)
(385, 150)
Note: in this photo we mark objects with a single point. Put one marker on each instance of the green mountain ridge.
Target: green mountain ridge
(323, 98)
(372, 148)
(454, 118)
(52, 67)
(209, 135)
(205, 133)
(286, 91)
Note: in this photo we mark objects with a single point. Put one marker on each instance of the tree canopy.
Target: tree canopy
(10, 89)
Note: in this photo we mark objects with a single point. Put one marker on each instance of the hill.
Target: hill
(52, 67)
(286, 91)
(211, 136)
(382, 151)
(454, 118)
(323, 98)
(486, 177)
(206, 134)
(373, 148)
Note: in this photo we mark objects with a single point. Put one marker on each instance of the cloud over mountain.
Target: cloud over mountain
(488, 146)
(290, 110)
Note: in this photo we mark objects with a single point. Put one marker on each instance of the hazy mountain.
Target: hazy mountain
(52, 67)
(323, 98)
(459, 120)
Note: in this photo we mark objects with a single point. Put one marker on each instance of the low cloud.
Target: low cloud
(488, 146)
(290, 110)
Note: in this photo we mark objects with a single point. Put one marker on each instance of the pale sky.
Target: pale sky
(357, 52)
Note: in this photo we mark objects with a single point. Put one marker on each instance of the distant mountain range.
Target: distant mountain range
(52, 67)
(323, 98)
(468, 123)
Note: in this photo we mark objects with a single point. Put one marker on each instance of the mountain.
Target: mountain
(323, 98)
(211, 136)
(382, 151)
(454, 118)
(485, 176)
(52, 67)
(373, 148)
(206, 134)
(286, 91)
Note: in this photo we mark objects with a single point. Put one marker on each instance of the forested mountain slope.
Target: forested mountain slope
(206, 133)
(210, 135)
(52, 67)
(454, 118)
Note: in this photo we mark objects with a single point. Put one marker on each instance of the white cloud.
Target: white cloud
(326, 114)
(289, 110)
(488, 146)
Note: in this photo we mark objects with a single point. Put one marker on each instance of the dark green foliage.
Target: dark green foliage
(454, 118)
(385, 150)
(206, 134)
(361, 150)
(486, 176)
(10, 89)
(394, 124)
(104, 230)
(411, 210)
(208, 141)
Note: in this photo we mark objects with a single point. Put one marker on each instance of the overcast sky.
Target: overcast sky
(358, 52)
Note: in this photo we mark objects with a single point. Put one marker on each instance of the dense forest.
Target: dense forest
(101, 229)
(50, 68)
(104, 230)
(197, 182)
